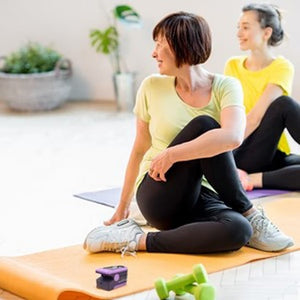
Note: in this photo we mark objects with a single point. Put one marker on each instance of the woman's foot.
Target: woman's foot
(121, 237)
(266, 236)
(245, 180)
(256, 180)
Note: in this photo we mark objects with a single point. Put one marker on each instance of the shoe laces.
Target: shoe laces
(123, 247)
(262, 223)
(125, 250)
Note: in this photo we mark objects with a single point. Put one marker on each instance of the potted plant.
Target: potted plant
(35, 78)
(107, 41)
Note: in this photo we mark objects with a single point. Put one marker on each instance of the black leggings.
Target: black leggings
(259, 152)
(193, 218)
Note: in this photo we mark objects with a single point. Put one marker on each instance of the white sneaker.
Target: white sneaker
(266, 236)
(119, 237)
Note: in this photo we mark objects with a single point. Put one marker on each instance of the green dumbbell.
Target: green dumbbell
(178, 283)
(179, 291)
(202, 291)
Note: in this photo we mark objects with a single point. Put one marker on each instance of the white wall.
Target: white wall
(65, 25)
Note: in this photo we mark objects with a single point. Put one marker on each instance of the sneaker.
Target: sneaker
(119, 237)
(266, 236)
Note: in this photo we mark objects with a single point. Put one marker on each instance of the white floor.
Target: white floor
(47, 157)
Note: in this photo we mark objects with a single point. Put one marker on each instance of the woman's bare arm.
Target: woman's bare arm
(141, 145)
(255, 116)
(228, 137)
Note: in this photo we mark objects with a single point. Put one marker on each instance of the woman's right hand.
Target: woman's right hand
(119, 215)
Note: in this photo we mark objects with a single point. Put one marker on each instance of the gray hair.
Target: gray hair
(268, 16)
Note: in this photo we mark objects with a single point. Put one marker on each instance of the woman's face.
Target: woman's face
(164, 56)
(250, 34)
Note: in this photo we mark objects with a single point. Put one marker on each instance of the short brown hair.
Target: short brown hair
(188, 36)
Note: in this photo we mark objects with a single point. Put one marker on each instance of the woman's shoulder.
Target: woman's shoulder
(227, 89)
(157, 79)
(221, 80)
(236, 60)
(282, 62)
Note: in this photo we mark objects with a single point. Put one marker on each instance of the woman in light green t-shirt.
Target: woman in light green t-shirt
(267, 83)
(188, 121)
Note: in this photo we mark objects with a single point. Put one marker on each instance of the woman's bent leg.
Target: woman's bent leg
(258, 151)
(156, 199)
(167, 205)
(225, 231)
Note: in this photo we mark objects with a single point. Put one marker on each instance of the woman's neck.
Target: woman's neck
(259, 59)
(193, 78)
(194, 85)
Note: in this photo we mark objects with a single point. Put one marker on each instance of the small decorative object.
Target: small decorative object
(111, 277)
(107, 41)
(35, 78)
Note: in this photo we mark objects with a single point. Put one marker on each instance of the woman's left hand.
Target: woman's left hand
(160, 165)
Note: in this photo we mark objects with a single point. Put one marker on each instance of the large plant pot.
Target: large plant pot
(36, 92)
(124, 88)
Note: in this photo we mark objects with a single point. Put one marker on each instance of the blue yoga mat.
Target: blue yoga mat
(110, 197)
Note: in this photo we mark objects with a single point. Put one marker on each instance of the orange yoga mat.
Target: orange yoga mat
(69, 273)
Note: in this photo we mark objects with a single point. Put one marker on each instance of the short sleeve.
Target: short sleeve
(282, 75)
(141, 108)
(231, 93)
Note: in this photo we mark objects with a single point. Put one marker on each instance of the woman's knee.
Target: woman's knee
(204, 122)
(283, 103)
(195, 128)
(200, 125)
(244, 231)
(240, 231)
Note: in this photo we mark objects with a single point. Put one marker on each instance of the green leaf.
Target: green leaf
(126, 14)
(105, 41)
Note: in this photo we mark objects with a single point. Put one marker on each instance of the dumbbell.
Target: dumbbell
(178, 283)
(202, 291)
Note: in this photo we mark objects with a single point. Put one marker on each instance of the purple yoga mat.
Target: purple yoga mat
(259, 193)
(110, 197)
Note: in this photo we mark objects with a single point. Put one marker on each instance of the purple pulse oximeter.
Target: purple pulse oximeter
(111, 277)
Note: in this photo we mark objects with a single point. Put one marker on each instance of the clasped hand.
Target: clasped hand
(160, 165)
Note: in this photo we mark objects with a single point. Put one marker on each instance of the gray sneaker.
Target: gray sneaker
(266, 236)
(119, 237)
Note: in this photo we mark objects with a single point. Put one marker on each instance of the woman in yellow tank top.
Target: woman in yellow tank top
(266, 82)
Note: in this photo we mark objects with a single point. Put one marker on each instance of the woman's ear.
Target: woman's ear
(268, 33)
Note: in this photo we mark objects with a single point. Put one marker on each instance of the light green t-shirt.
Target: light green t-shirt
(279, 72)
(158, 104)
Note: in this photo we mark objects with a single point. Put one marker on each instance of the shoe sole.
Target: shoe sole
(264, 248)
